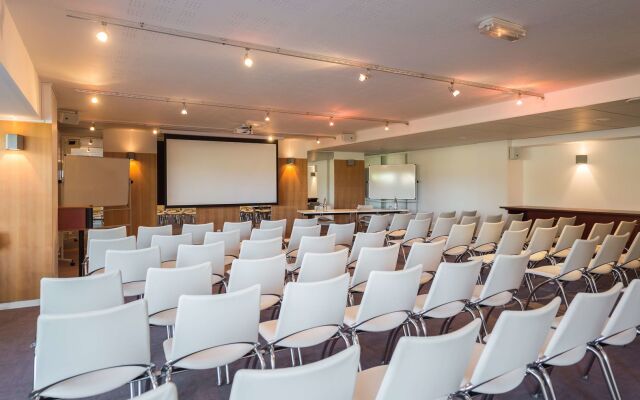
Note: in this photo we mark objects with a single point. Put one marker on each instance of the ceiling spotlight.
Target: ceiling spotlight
(386, 126)
(90, 141)
(454, 92)
(331, 121)
(270, 138)
(92, 127)
(519, 102)
(155, 131)
(103, 36)
(94, 100)
(317, 140)
(184, 109)
(248, 62)
(266, 117)
(363, 76)
(88, 150)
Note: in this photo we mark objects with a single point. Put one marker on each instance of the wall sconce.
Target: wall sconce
(581, 159)
(291, 161)
(14, 141)
(131, 155)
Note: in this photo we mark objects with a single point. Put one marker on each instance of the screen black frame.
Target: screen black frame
(162, 169)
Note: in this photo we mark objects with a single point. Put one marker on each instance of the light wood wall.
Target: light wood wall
(28, 211)
(348, 185)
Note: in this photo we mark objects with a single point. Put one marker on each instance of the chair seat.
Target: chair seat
(502, 384)
(635, 264)
(409, 243)
(168, 264)
(485, 258)
(379, 324)
(215, 279)
(339, 247)
(359, 288)
(306, 338)
(444, 311)
(267, 301)
(551, 271)
(210, 358)
(535, 257)
(228, 260)
(396, 234)
(368, 383)
(482, 248)
(164, 318)
(291, 267)
(131, 289)
(602, 269)
(293, 254)
(93, 383)
(499, 299)
(425, 278)
(560, 254)
(455, 251)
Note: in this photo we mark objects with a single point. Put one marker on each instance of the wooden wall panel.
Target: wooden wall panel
(28, 211)
(348, 184)
(292, 190)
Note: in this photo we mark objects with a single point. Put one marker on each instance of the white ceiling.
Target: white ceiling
(569, 43)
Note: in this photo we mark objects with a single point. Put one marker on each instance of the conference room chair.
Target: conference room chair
(311, 313)
(571, 270)
(625, 227)
(197, 231)
(78, 295)
(145, 233)
(496, 367)
(424, 215)
(380, 312)
(257, 249)
(450, 291)
(305, 222)
(362, 240)
(378, 223)
(133, 266)
(471, 213)
(213, 331)
(243, 227)
(398, 225)
(343, 233)
(513, 217)
(447, 214)
(168, 246)
(494, 218)
(416, 232)
(310, 244)
(600, 231)
(441, 229)
(501, 287)
(163, 289)
(324, 219)
(539, 223)
(167, 391)
(363, 220)
(118, 232)
(487, 238)
(331, 378)
(264, 233)
(540, 245)
(570, 233)
(267, 272)
(458, 241)
(468, 219)
(196, 254)
(428, 255)
(564, 221)
(231, 241)
(520, 225)
(510, 243)
(606, 258)
(322, 266)
(297, 233)
(372, 259)
(99, 248)
(270, 224)
(69, 369)
(414, 372)
(580, 325)
(630, 260)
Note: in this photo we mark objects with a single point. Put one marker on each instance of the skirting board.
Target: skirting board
(20, 304)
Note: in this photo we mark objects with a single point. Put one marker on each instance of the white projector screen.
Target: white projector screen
(392, 181)
(206, 172)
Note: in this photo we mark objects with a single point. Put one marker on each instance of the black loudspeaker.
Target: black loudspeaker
(351, 163)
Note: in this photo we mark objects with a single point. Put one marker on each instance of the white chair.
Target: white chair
(607, 257)
(565, 221)
(600, 231)
(243, 227)
(447, 214)
(511, 218)
(311, 313)
(568, 236)
(165, 286)
(488, 238)
(99, 249)
(266, 272)
(416, 232)
(325, 219)
(168, 246)
(196, 254)
(133, 266)
(322, 266)
(441, 229)
(331, 378)
(167, 391)
(197, 231)
(495, 218)
(363, 240)
(105, 233)
(67, 369)
(502, 364)
(458, 241)
(270, 224)
(468, 219)
(213, 331)
(630, 261)
(378, 223)
(428, 255)
(305, 222)
(539, 223)
(344, 234)
(145, 233)
(520, 225)
(78, 295)
(625, 227)
(399, 224)
(409, 377)
(311, 244)
(424, 215)
(511, 243)
(540, 245)
(257, 249)
(231, 241)
(297, 233)
(372, 259)
(265, 234)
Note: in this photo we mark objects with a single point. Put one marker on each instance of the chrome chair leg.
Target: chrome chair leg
(272, 357)
(605, 371)
(543, 387)
(299, 356)
(547, 379)
(293, 359)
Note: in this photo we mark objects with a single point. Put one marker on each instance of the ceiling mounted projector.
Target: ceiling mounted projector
(501, 29)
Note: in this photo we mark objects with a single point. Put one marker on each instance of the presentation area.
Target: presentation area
(204, 172)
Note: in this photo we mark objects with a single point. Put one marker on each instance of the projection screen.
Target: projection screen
(204, 171)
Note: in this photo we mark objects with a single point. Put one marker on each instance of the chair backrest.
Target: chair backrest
(399, 222)
(542, 239)
(321, 266)
(363, 240)
(579, 256)
(375, 259)
(331, 378)
(437, 380)
(204, 322)
(625, 318)
(626, 227)
(512, 242)
(565, 221)
(231, 241)
(169, 245)
(313, 305)
(99, 249)
(298, 232)
(243, 227)
(146, 232)
(426, 254)
(424, 215)
(506, 274)
(305, 222)
(256, 249)
(266, 272)
(610, 251)
(378, 223)
(600, 230)
(634, 251)
(270, 224)
(460, 235)
(447, 214)
(194, 254)
(315, 244)
(471, 213)
(443, 226)
(166, 391)
(264, 233)
(77, 295)
(343, 233)
(511, 218)
(123, 335)
(105, 233)
(376, 301)
(492, 219)
(164, 286)
(132, 264)
(417, 228)
(520, 225)
(470, 219)
(514, 343)
(490, 232)
(197, 231)
(582, 323)
(540, 223)
(453, 282)
(569, 234)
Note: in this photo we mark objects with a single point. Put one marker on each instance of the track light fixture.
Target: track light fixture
(184, 109)
(267, 117)
(454, 92)
(90, 141)
(270, 138)
(519, 101)
(331, 121)
(386, 126)
(94, 100)
(248, 62)
(92, 127)
(317, 140)
(364, 76)
(155, 131)
(103, 36)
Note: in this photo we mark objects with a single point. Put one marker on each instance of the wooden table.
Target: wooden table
(351, 212)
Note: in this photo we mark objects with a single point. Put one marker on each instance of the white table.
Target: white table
(351, 212)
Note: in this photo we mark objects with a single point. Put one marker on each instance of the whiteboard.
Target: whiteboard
(387, 182)
(95, 182)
